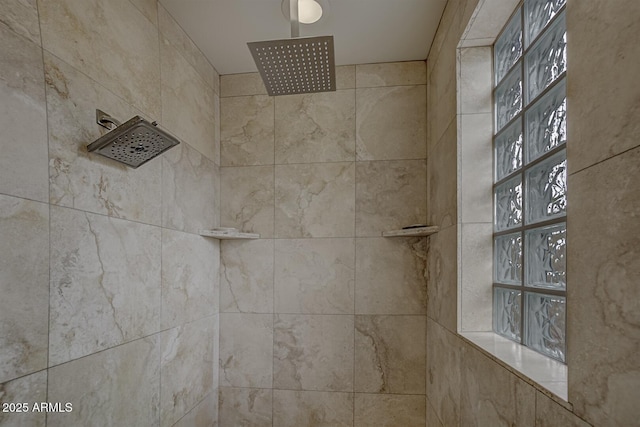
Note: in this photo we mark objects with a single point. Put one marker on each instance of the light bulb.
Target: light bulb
(309, 11)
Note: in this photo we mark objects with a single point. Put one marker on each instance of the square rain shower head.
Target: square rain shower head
(297, 65)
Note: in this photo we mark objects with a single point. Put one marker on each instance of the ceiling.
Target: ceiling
(365, 31)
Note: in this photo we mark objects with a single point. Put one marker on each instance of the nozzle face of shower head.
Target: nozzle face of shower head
(133, 143)
(293, 66)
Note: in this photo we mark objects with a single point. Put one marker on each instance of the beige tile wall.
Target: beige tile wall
(110, 297)
(335, 309)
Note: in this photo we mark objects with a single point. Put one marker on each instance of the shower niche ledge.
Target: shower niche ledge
(412, 231)
(228, 234)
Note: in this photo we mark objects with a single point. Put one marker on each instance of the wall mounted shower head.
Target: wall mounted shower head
(133, 143)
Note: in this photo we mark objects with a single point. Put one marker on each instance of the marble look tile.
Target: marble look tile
(23, 119)
(189, 182)
(241, 85)
(318, 127)
(148, 8)
(390, 195)
(441, 278)
(205, 414)
(216, 124)
(476, 275)
(246, 350)
(444, 355)
(246, 130)
(432, 417)
(315, 200)
(476, 80)
(391, 123)
(312, 408)
(475, 173)
(186, 369)
(391, 74)
(89, 181)
(216, 81)
(80, 32)
(442, 94)
(245, 407)
(313, 352)
(390, 354)
(105, 283)
(550, 414)
(604, 252)
(22, 17)
(101, 387)
(187, 102)
(390, 276)
(246, 276)
(345, 77)
(247, 199)
(24, 282)
(314, 276)
(176, 36)
(190, 267)
(382, 410)
(491, 395)
(442, 178)
(488, 19)
(601, 81)
(29, 389)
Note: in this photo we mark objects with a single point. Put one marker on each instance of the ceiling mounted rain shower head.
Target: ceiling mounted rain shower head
(133, 143)
(295, 65)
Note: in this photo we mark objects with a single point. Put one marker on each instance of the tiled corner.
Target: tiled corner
(390, 276)
(22, 17)
(391, 123)
(24, 275)
(186, 375)
(247, 199)
(245, 407)
(476, 275)
(475, 80)
(105, 283)
(188, 190)
(304, 408)
(381, 410)
(391, 74)
(29, 390)
(190, 266)
(390, 195)
(246, 130)
(149, 8)
(246, 276)
(550, 414)
(315, 200)
(390, 354)
(23, 131)
(314, 276)
(246, 350)
(442, 166)
(442, 278)
(80, 33)
(241, 85)
(313, 352)
(316, 127)
(88, 181)
(108, 380)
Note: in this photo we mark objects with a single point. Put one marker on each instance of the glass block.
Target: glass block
(547, 58)
(546, 122)
(508, 204)
(508, 97)
(508, 146)
(508, 47)
(546, 257)
(507, 313)
(507, 259)
(546, 185)
(545, 324)
(537, 14)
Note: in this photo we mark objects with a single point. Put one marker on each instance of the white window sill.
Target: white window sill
(541, 370)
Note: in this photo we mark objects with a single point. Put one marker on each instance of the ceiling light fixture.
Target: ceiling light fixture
(309, 11)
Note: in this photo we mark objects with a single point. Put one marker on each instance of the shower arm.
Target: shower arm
(293, 19)
(106, 121)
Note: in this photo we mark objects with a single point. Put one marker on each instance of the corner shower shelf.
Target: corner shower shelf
(412, 232)
(228, 235)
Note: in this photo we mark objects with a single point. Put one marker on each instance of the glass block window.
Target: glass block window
(530, 178)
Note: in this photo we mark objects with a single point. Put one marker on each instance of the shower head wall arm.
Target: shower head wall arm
(106, 121)
(294, 19)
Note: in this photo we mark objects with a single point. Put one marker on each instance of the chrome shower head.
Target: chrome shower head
(133, 143)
